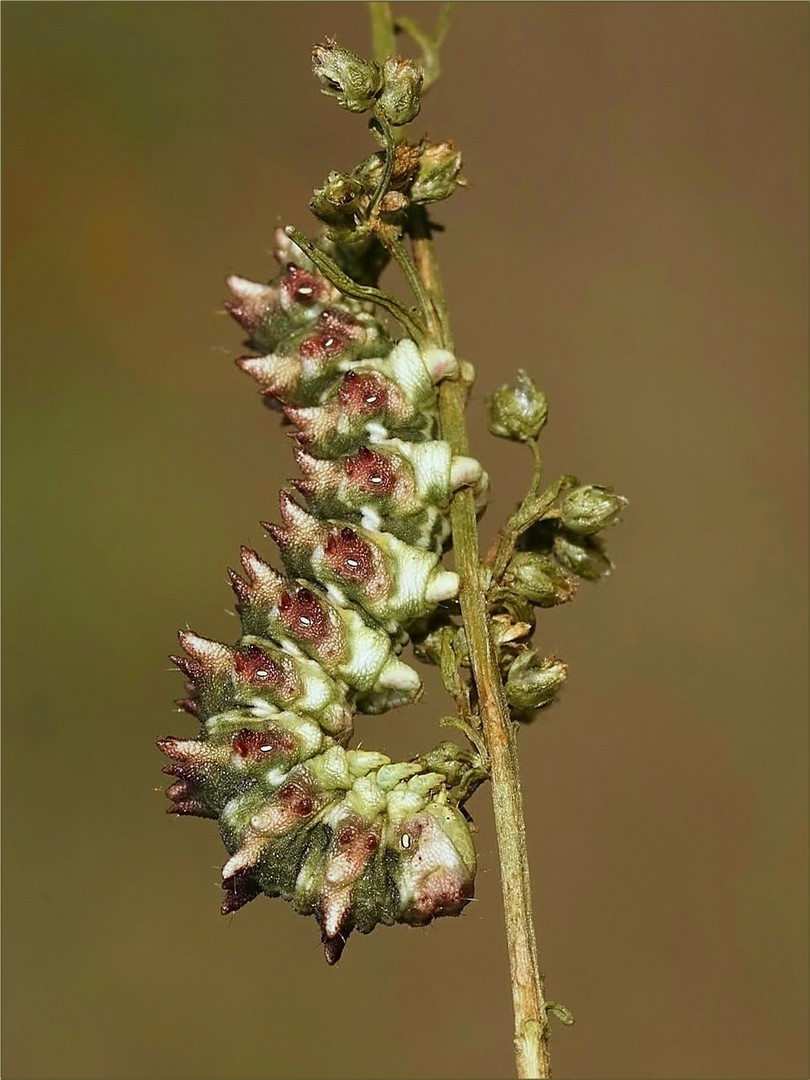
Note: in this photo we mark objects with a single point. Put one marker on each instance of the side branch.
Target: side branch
(528, 998)
(528, 995)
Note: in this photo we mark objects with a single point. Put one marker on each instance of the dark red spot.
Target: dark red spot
(363, 394)
(340, 322)
(296, 799)
(349, 556)
(189, 705)
(304, 615)
(347, 835)
(252, 745)
(356, 841)
(257, 667)
(304, 287)
(323, 346)
(370, 472)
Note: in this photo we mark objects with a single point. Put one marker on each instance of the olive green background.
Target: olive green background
(634, 235)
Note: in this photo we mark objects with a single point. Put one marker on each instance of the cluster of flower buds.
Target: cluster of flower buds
(533, 682)
(518, 412)
(392, 91)
(421, 173)
(559, 546)
(345, 835)
(388, 182)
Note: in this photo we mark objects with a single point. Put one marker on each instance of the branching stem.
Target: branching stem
(531, 1024)
(528, 997)
(533, 508)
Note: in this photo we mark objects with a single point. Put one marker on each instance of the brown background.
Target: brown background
(634, 235)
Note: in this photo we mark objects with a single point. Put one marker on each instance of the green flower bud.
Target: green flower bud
(533, 682)
(539, 579)
(338, 201)
(402, 85)
(437, 177)
(588, 509)
(584, 557)
(518, 412)
(351, 80)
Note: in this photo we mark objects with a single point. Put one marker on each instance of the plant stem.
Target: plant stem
(531, 1031)
(383, 37)
(528, 997)
(410, 271)
(388, 167)
(533, 508)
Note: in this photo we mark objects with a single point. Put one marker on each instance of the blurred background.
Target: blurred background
(634, 234)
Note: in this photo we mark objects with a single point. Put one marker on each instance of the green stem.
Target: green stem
(528, 996)
(408, 267)
(383, 36)
(427, 266)
(528, 999)
(388, 167)
(532, 509)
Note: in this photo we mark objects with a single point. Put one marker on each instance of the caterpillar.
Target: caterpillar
(343, 834)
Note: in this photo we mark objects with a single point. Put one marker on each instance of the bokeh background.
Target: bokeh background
(634, 233)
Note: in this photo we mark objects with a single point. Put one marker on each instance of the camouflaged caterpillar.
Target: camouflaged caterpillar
(345, 835)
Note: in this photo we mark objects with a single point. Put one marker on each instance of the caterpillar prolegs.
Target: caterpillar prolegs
(345, 835)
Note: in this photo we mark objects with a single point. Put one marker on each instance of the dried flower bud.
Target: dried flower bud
(539, 579)
(588, 509)
(583, 556)
(533, 682)
(403, 172)
(518, 412)
(437, 176)
(338, 201)
(351, 80)
(402, 85)
(393, 202)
